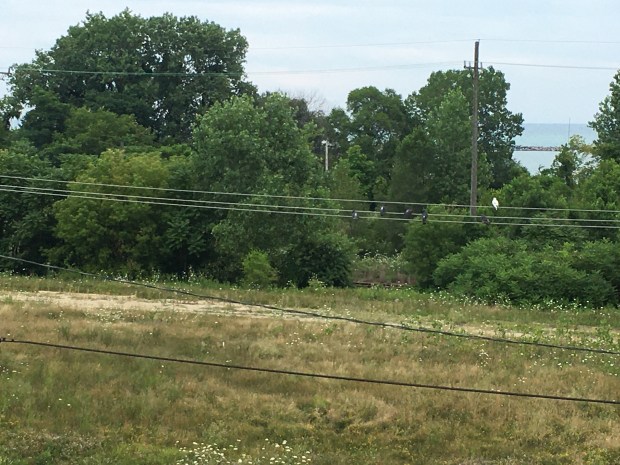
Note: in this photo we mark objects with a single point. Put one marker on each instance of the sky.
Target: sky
(559, 56)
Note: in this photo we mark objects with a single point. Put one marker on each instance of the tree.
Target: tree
(257, 271)
(336, 131)
(115, 236)
(26, 219)
(376, 123)
(258, 161)
(601, 257)
(607, 124)
(601, 188)
(427, 244)
(46, 118)
(599, 192)
(546, 198)
(498, 126)
(163, 70)
(6, 115)
(571, 161)
(245, 148)
(345, 184)
(451, 166)
(433, 163)
(414, 170)
(92, 132)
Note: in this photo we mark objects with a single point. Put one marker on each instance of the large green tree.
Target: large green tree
(163, 70)
(375, 121)
(258, 161)
(498, 127)
(117, 234)
(433, 163)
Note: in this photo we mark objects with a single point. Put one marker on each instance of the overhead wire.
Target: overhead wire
(328, 199)
(404, 66)
(152, 74)
(192, 202)
(396, 44)
(364, 45)
(553, 41)
(174, 204)
(438, 217)
(318, 315)
(549, 65)
(385, 382)
(297, 210)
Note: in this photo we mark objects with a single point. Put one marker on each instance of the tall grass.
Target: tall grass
(72, 408)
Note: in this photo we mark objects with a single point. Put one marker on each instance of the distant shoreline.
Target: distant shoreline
(548, 135)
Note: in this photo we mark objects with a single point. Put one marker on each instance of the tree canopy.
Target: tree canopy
(498, 126)
(163, 70)
(141, 149)
(607, 123)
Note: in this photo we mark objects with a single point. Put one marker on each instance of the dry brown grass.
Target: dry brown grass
(120, 408)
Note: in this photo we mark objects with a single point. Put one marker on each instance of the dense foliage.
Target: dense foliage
(103, 64)
(135, 146)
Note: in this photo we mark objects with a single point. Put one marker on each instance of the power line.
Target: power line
(378, 44)
(436, 42)
(192, 202)
(392, 44)
(404, 66)
(551, 41)
(298, 210)
(308, 71)
(314, 375)
(304, 313)
(559, 66)
(171, 203)
(144, 200)
(327, 199)
(234, 74)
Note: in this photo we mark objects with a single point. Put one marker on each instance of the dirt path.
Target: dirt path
(98, 302)
(95, 303)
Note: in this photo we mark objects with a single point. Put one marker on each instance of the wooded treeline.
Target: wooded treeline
(137, 146)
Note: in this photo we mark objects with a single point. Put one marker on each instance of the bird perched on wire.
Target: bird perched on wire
(484, 219)
(424, 216)
(382, 210)
(495, 203)
(408, 213)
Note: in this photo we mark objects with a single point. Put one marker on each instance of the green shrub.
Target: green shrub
(327, 258)
(501, 269)
(257, 271)
(427, 244)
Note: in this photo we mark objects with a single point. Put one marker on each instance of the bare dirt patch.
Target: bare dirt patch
(98, 302)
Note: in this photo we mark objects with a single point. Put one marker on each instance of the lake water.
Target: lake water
(550, 135)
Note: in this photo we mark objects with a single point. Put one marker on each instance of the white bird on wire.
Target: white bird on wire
(495, 203)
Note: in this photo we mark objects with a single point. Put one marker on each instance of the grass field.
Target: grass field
(66, 407)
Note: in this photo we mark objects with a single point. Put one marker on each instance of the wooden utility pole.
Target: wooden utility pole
(473, 200)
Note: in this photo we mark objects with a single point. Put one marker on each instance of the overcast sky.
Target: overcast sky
(328, 48)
